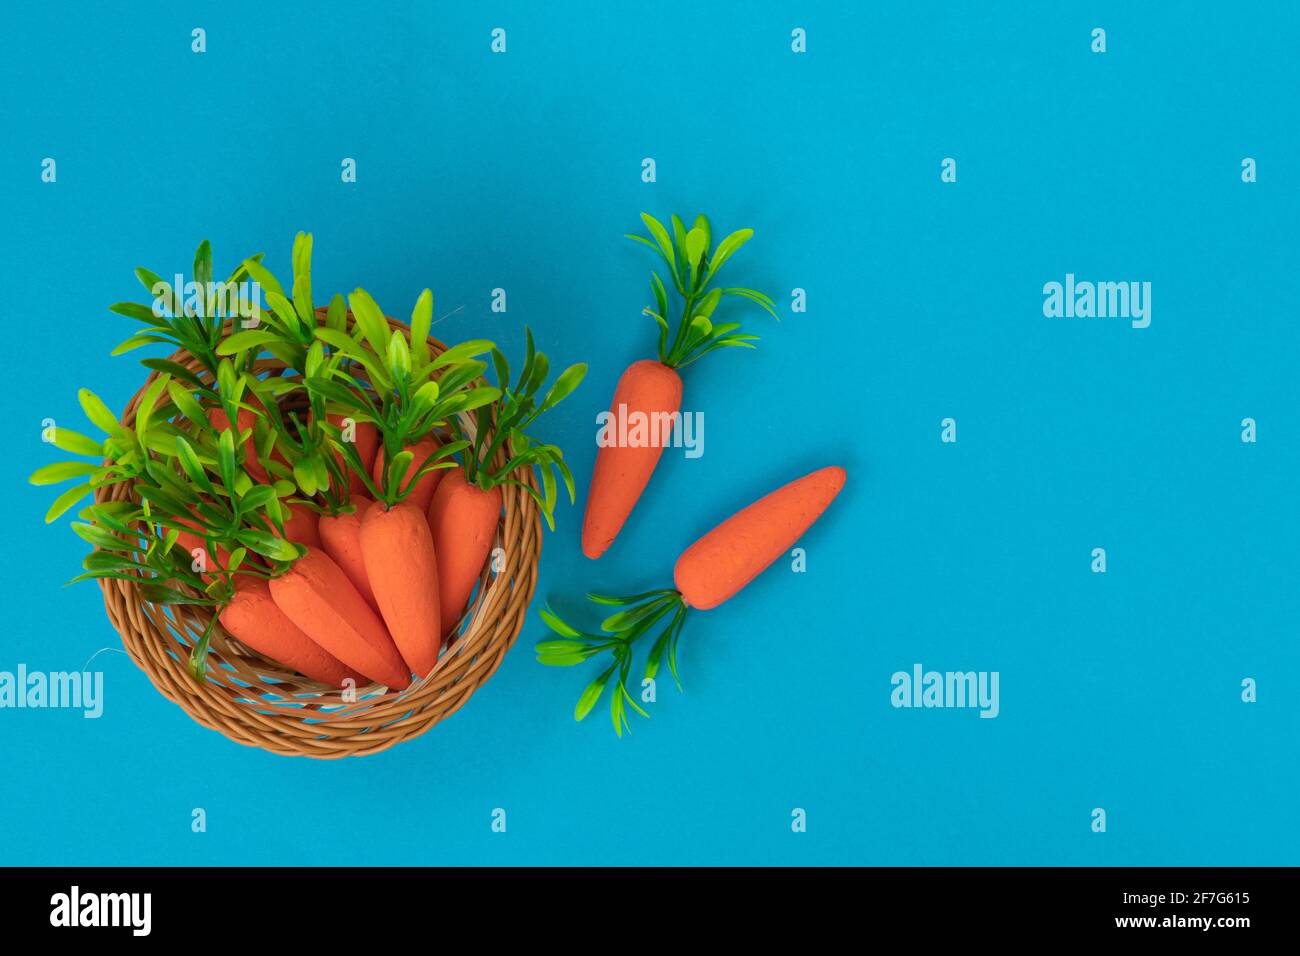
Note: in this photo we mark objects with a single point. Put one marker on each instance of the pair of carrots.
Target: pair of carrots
(727, 558)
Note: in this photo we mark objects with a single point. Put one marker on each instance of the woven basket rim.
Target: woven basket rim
(259, 703)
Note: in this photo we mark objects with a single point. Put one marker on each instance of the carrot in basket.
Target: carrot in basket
(253, 617)
(192, 542)
(366, 439)
(647, 401)
(245, 420)
(397, 550)
(708, 573)
(466, 507)
(340, 536)
(463, 519)
(302, 526)
(419, 490)
(316, 595)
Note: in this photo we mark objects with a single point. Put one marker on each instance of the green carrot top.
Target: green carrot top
(190, 314)
(390, 378)
(692, 267)
(486, 465)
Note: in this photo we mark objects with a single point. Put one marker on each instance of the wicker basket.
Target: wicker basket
(259, 703)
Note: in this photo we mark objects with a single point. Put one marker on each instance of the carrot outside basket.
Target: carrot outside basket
(259, 703)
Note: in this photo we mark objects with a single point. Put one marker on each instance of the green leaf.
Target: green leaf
(302, 279)
(370, 320)
(468, 401)
(99, 538)
(591, 694)
(421, 322)
(190, 408)
(548, 496)
(398, 355)
(150, 280)
(727, 248)
(256, 497)
(98, 414)
(501, 365)
(174, 369)
(702, 224)
(563, 653)
(248, 339)
(661, 236)
(679, 234)
(226, 458)
(284, 310)
(708, 303)
(76, 443)
(62, 471)
(267, 544)
(568, 380)
(696, 243)
(464, 351)
(624, 620)
(555, 624)
(113, 515)
(660, 293)
(398, 465)
(763, 300)
(624, 601)
(657, 653)
(149, 402)
(663, 333)
(263, 277)
(66, 501)
(141, 313)
(135, 342)
(304, 473)
(192, 466)
(162, 442)
(616, 711)
(203, 271)
(336, 316)
(645, 242)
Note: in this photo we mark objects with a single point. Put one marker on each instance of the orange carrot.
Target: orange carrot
(398, 552)
(422, 493)
(709, 572)
(463, 520)
(654, 389)
(191, 542)
(190, 539)
(316, 595)
(735, 552)
(302, 526)
(366, 440)
(622, 470)
(341, 538)
(253, 618)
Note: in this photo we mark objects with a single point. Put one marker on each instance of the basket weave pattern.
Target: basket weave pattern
(259, 703)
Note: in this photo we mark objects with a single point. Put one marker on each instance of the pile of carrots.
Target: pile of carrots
(336, 516)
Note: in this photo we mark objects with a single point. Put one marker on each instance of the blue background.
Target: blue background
(522, 171)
